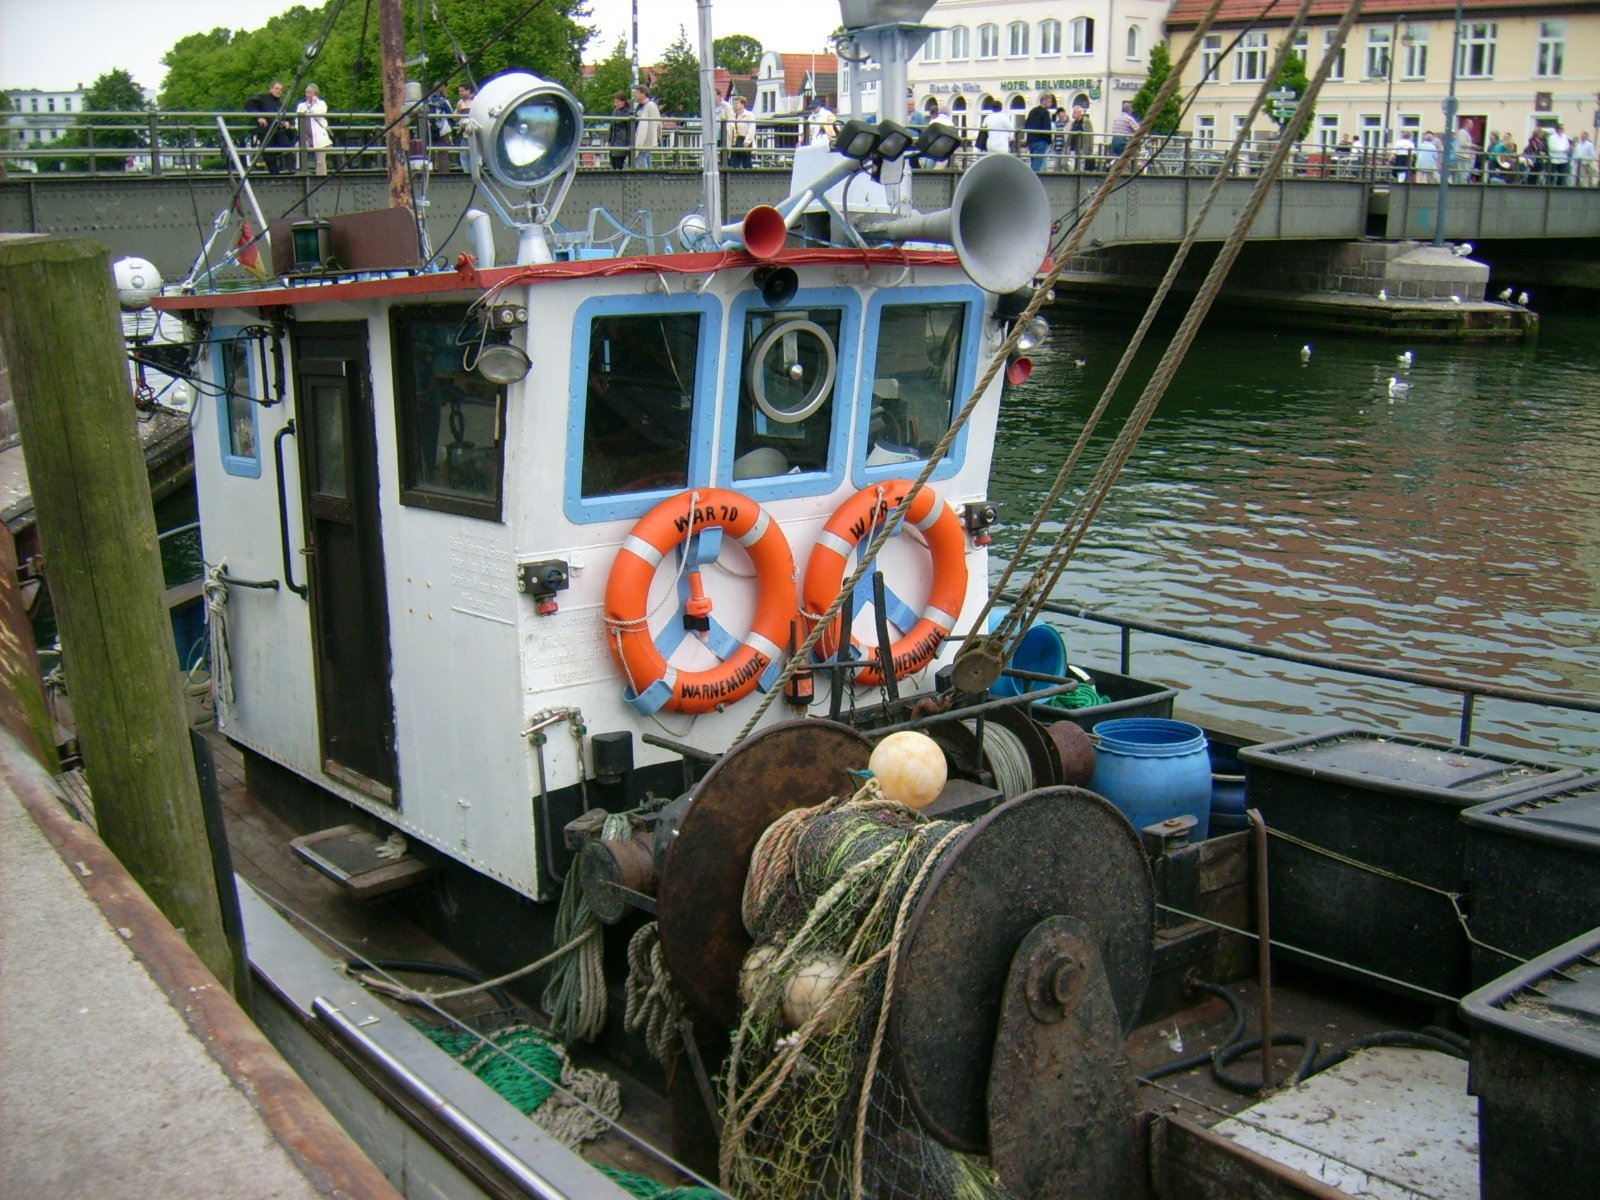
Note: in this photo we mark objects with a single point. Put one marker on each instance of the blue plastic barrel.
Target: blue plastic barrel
(1041, 650)
(1227, 790)
(1154, 769)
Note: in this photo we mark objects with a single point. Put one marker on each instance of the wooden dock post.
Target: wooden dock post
(69, 375)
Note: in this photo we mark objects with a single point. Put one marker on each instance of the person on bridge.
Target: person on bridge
(1559, 147)
(1583, 161)
(1404, 150)
(620, 135)
(998, 128)
(741, 135)
(821, 125)
(1081, 139)
(1038, 125)
(1123, 126)
(314, 136)
(646, 127)
(272, 133)
(1428, 158)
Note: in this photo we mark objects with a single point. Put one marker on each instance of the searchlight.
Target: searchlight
(522, 148)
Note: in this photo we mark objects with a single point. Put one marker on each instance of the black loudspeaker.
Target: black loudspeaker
(778, 285)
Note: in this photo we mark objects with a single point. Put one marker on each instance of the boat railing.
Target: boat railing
(1468, 691)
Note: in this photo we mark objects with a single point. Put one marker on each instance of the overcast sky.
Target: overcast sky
(58, 44)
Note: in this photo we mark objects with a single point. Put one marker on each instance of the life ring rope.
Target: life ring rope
(694, 523)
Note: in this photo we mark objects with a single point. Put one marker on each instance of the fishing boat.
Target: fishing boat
(630, 622)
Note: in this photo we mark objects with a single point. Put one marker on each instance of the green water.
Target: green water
(1453, 528)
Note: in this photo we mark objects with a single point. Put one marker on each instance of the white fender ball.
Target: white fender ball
(910, 768)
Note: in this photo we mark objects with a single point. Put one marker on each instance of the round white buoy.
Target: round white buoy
(811, 984)
(910, 768)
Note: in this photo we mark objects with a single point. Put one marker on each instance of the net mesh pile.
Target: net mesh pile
(812, 1104)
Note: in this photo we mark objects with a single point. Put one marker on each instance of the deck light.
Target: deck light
(1035, 334)
(938, 141)
(857, 140)
(524, 133)
(894, 139)
(502, 363)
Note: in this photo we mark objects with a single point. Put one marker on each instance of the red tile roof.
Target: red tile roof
(1185, 14)
(797, 66)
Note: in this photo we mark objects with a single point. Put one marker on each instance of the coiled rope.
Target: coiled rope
(1007, 758)
(653, 1003)
(575, 996)
(215, 591)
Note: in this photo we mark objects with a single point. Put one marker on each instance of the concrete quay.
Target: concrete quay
(126, 1070)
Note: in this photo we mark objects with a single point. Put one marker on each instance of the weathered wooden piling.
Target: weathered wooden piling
(69, 376)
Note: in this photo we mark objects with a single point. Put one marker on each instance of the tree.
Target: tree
(611, 76)
(677, 88)
(1292, 78)
(738, 52)
(113, 92)
(1171, 112)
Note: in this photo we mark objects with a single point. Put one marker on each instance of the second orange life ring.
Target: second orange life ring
(654, 682)
(831, 557)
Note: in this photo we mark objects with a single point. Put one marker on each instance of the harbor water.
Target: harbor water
(1446, 523)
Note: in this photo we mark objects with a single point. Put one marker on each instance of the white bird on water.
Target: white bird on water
(1404, 359)
(1522, 299)
(1397, 387)
(1305, 353)
(1506, 295)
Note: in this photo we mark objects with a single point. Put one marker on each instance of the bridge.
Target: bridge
(165, 217)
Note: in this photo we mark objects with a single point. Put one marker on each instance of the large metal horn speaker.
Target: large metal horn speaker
(999, 224)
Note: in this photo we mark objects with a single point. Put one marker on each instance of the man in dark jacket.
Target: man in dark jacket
(272, 132)
(1039, 128)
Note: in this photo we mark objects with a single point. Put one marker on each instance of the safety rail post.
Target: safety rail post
(1469, 701)
(155, 143)
(1126, 640)
(62, 341)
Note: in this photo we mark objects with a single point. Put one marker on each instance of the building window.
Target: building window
(35, 104)
(1378, 53)
(1250, 59)
(988, 41)
(1050, 37)
(1205, 132)
(1302, 46)
(1371, 133)
(451, 421)
(1135, 42)
(50, 103)
(1416, 57)
(1083, 35)
(1327, 132)
(933, 48)
(960, 43)
(1552, 49)
(1477, 50)
(66, 102)
(1337, 70)
(1017, 39)
(1210, 55)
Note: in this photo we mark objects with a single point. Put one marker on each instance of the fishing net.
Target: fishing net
(812, 1104)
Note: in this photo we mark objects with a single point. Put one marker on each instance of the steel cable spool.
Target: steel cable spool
(1006, 756)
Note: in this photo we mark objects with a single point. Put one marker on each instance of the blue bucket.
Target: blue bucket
(1154, 769)
(1041, 650)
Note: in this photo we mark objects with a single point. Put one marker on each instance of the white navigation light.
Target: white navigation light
(138, 282)
(525, 130)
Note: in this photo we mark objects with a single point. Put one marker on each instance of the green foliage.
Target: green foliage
(612, 75)
(738, 52)
(113, 92)
(1293, 77)
(677, 87)
(220, 70)
(1171, 111)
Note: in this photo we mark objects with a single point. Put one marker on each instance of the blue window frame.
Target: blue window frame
(643, 385)
(786, 414)
(239, 390)
(919, 361)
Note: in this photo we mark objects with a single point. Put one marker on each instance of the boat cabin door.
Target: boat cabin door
(344, 554)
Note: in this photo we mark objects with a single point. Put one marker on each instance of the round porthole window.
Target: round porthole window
(791, 371)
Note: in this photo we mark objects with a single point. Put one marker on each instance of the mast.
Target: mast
(709, 133)
(392, 53)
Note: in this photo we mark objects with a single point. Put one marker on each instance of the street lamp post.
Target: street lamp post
(1448, 152)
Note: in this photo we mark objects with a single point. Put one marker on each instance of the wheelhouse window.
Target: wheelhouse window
(922, 351)
(639, 403)
(451, 420)
(239, 380)
(1477, 50)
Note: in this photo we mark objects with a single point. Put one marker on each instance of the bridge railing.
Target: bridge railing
(159, 142)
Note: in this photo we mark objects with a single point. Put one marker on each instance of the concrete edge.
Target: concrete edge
(331, 1162)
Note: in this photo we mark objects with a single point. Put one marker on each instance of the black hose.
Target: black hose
(1454, 1045)
(1204, 1056)
(419, 967)
(1225, 1055)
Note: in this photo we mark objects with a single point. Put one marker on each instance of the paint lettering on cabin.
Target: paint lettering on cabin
(724, 687)
(707, 514)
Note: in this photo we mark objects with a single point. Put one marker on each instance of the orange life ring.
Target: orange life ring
(655, 683)
(835, 548)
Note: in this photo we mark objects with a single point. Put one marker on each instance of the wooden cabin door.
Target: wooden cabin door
(344, 548)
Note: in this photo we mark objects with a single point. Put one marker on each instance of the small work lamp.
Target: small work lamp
(938, 141)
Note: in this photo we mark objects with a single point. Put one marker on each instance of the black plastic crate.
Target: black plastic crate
(1392, 802)
(1130, 697)
(1536, 1073)
(1533, 870)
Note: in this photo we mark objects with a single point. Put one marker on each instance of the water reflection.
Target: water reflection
(1451, 526)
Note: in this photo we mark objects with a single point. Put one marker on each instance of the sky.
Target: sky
(58, 44)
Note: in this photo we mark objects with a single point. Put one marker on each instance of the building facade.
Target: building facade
(1093, 53)
(1519, 66)
(38, 118)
